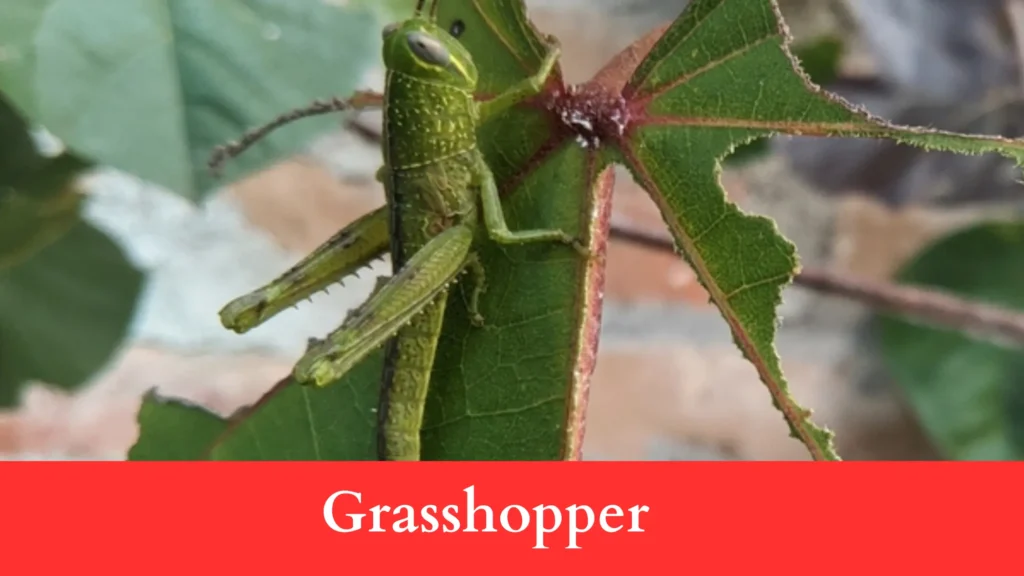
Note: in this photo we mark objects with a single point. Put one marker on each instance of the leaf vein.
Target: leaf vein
(696, 26)
(312, 427)
(470, 415)
(713, 64)
(750, 285)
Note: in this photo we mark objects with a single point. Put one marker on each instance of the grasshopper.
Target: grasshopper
(442, 202)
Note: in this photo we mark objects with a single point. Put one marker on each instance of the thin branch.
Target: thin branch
(1002, 325)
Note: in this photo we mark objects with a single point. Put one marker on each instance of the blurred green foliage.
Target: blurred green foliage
(147, 87)
(67, 292)
(968, 394)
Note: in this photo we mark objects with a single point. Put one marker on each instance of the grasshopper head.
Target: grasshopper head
(420, 48)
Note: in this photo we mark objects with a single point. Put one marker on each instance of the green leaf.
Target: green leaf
(38, 201)
(43, 207)
(819, 58)
(64, 311)
(174, 430)
(967, 394)
(515, 389)
(737, 77)
(66, 292)
(719, 72)
(290, 422)
(18, 154)
(151, 86)
(295, 422)
(719, 76)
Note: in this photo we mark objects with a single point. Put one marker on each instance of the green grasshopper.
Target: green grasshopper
(439, 191)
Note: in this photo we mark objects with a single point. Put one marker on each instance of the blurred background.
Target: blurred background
(125, 282)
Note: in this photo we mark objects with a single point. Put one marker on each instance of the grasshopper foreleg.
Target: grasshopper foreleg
(524, 89)
(424, 276)
(355, 246)
(494, 218)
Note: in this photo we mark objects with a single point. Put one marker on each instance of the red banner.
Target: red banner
(497, 518)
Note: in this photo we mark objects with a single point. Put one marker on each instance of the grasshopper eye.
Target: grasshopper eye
(429, 49)
(390, 29)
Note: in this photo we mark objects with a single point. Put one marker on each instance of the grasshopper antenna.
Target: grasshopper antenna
(433, 10)
(419, 6)
(230, 150)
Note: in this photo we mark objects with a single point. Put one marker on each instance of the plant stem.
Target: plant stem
(998, 324)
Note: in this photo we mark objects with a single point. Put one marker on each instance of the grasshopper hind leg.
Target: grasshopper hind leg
(391, 307)
(355, 246)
